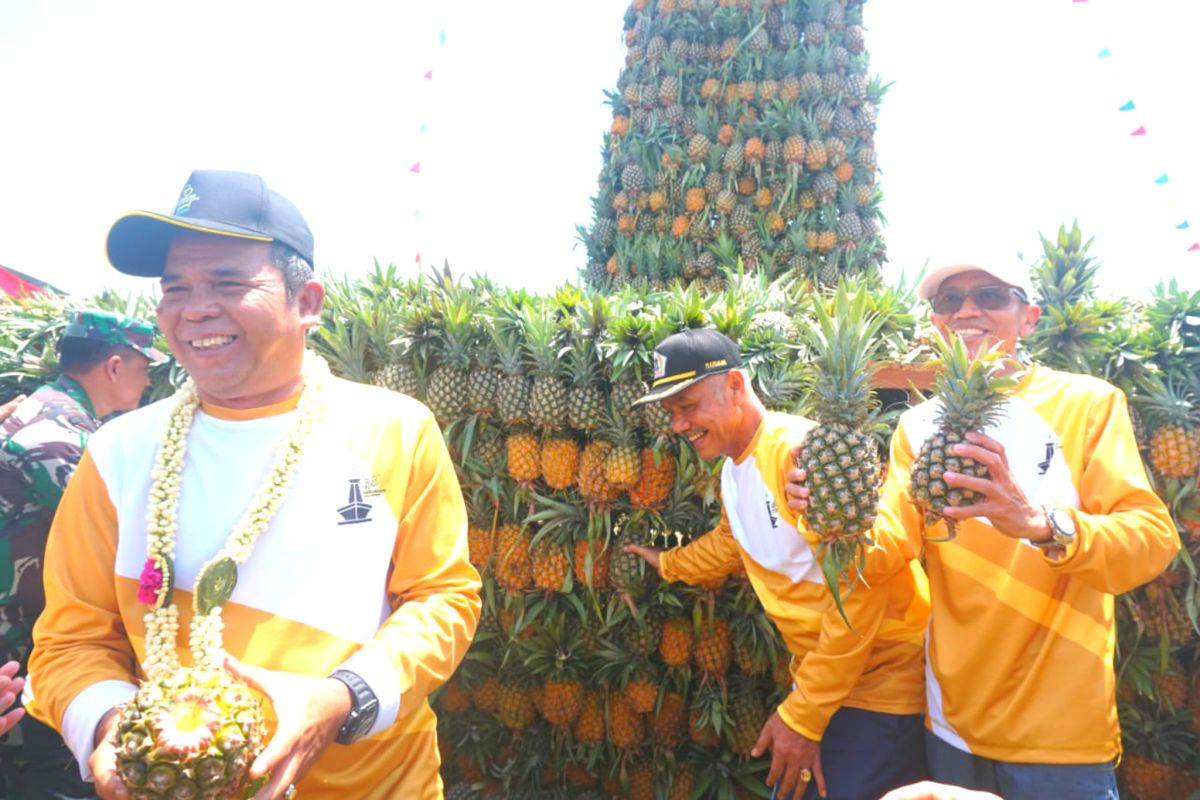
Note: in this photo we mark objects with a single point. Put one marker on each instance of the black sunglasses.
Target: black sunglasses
(985, 298)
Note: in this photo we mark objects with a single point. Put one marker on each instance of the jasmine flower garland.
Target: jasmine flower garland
(216, 579)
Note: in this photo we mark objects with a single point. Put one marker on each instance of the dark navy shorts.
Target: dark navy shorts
(866, 754)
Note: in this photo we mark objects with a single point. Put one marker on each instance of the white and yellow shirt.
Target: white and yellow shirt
(1020, 646)
(877, 665)
(364, 567)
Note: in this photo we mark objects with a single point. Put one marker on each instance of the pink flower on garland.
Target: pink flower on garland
(151, 582)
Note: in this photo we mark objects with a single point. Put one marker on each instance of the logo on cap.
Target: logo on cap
(186, 199)
(660, 364)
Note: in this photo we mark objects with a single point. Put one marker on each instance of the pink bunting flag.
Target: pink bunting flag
(1141, 131)
(418, 258)
(415, 168)
(429, 75)
(1195, 246)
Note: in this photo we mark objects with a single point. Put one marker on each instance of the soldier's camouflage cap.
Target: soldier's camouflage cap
(103, 326)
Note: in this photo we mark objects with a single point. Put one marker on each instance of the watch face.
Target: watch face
(1062, 522)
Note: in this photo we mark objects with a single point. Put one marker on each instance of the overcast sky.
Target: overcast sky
(1002, 121)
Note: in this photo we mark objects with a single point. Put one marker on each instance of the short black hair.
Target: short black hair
(295, 268)
(82, 355)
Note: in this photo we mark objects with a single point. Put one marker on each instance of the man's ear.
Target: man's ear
(310, 302)
(112, 368)
(1029, 318)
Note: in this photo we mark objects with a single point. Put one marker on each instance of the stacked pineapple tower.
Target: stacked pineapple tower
(588, 673)
(740, 129)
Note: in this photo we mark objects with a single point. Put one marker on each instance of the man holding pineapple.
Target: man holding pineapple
(1024, 487)
(851, 726)
(311, 528)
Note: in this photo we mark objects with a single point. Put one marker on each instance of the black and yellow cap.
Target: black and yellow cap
(684, 358)
(233, 204)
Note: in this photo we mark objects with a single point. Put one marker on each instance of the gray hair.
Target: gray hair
(295, 268)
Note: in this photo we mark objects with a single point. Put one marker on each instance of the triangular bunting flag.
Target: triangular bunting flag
(441, 37)
(1105, 53)
(1183, 226)
(1161, 179)
(429, 75)
(1195, 246)
(418, 258)
(1141, 131)
(1127, 107)
(415, 168)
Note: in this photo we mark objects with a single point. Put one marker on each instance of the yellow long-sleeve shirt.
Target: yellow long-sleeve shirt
(1020, 649)
(363, 567)
(877, 665)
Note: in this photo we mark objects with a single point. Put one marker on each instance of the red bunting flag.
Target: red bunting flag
(415, 168)
(1141, 131)
(1195, 246)
(418, 258)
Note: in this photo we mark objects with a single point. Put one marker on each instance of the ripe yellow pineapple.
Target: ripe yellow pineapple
(589, 725)
(514, 571)
(712, 649)
(625, 728)
(675, 646)
(657, 478)
(553, 655)
(560, 461)
(1172, 406)
(524, 457)
(192, 733)
(970, 391)
(593, 486)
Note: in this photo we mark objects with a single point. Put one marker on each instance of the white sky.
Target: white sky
(1001, 122)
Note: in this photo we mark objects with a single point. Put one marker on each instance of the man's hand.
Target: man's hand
(795, 489)
(10, 689)
(103, 760)
(791, 754)
(1004, 502)
(310, 713)
(927, 790)
(649, 553)
(7, 408)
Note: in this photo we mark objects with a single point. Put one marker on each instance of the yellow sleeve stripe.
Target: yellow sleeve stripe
(1088, 633)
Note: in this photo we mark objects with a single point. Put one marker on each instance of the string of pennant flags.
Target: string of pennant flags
(423, 102)
(1106, 56)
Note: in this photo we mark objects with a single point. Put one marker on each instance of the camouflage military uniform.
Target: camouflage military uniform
(40, 446)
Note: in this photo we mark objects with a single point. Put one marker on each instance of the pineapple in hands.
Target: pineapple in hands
(971, 391)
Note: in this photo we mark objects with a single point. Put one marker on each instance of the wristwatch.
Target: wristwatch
(1062, 528)
(364, 707)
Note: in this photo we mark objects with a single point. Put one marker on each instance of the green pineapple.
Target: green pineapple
(840, 457)
(447, 393)
(548, 395)
(193, 733)
(512, 387)
(971, 393)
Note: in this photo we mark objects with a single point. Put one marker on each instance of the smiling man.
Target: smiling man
(1019, 679)
(851, 727)
(352, 596)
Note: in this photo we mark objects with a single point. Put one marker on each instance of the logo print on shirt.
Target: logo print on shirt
(772, 511)
(355, 511)
(1045, 465)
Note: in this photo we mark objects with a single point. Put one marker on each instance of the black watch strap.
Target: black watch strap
(364, 707)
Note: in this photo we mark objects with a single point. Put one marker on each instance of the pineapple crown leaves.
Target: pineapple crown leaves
(545, 341)
(628, 344)
(1165, 738)
(556, 650)
(1065, 274)
(1172, 399)
(1177, 311)
(843, 342)
(971, 389)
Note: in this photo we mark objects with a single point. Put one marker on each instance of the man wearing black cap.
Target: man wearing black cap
(103, 360)
(851, 727)
(331, 508)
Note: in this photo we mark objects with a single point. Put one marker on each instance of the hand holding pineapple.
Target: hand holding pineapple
(103, 761)
(309, 711)
(1004, 502)
(651, 555)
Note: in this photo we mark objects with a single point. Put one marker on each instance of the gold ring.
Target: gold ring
(289, 792)
(805, 775)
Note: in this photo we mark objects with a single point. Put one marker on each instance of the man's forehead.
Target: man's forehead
(214, 254)
(969, 279)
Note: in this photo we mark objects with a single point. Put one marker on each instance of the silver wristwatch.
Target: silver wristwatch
(1062, 528)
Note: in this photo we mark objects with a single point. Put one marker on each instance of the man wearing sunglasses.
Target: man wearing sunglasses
(1020, 690)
